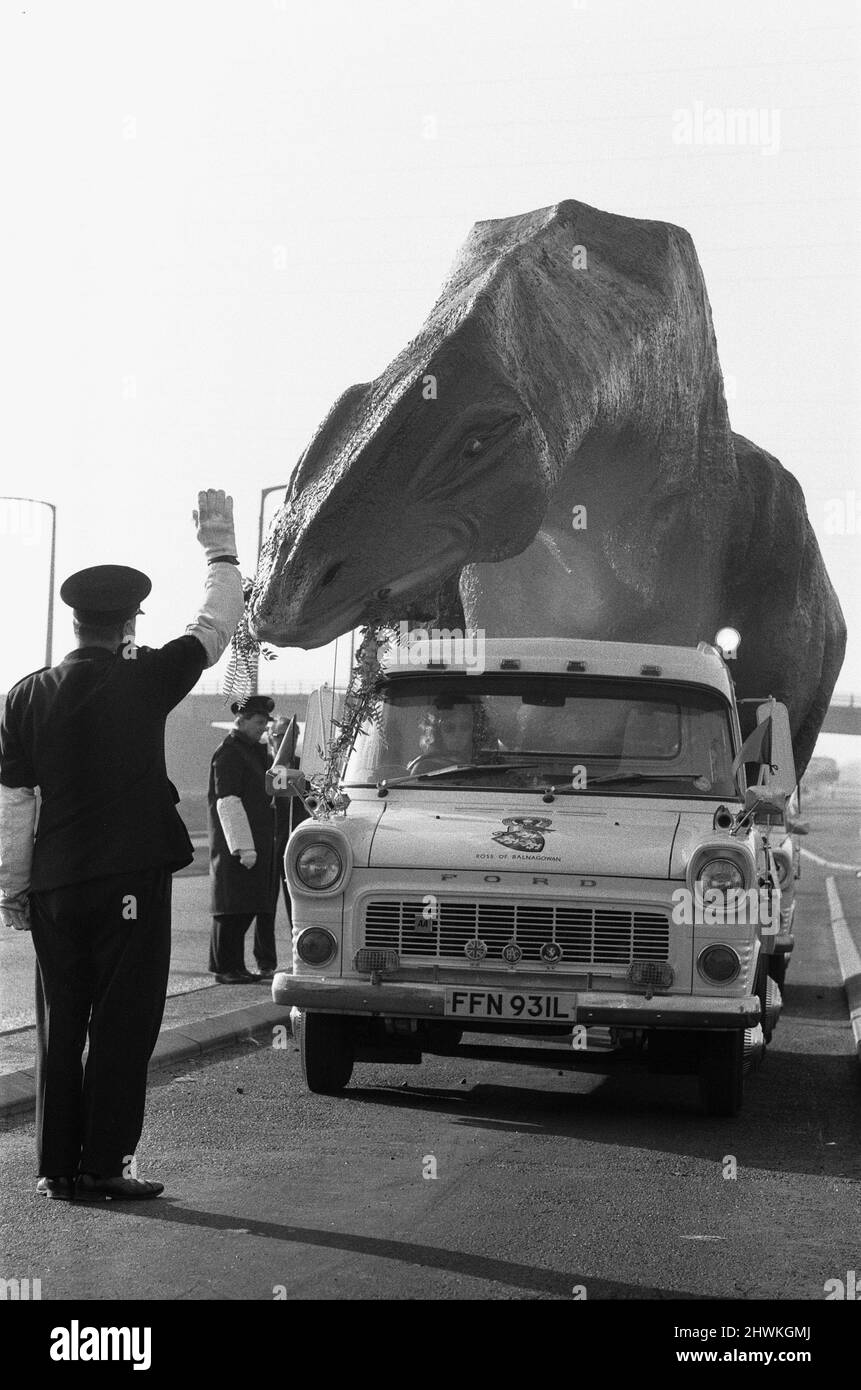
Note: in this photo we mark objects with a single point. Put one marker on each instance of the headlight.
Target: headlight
(719, 965)
(720, 876)
(316, 946)
(318, 865)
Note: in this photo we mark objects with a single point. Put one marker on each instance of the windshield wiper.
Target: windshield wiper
(463, 767)
(635, 777)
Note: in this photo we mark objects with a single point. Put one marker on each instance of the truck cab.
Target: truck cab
(556, 843)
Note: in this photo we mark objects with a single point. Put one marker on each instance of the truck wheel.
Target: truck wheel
(722, 1073)
(777, 969)
(327, 1053)
(760, 989)
(444, 1037)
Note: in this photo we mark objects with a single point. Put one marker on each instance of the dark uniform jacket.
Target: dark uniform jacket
(239, 769)
(89, 733)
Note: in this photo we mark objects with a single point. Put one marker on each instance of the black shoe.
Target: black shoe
(60, 1189)
(266, 976)
(237, 977)
(94, 1189)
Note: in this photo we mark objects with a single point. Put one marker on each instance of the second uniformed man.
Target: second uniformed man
(242, 848)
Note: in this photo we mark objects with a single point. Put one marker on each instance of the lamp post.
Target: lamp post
(49, 630)
(265, 492)
(279, 487)
(49, 627)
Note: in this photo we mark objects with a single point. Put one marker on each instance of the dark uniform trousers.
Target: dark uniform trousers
(103, 954)
(227, 941)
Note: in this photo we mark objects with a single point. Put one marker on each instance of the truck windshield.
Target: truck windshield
(513, 731)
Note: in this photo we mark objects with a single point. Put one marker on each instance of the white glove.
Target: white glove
(15, 912)
(17, 827)
(247, 858)
(214, 521)
(223, 606)
(234, 823)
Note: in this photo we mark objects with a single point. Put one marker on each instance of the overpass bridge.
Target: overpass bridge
(844, 715)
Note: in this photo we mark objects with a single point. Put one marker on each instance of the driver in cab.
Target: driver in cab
(449, 735)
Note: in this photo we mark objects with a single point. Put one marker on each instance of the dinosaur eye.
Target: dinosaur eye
(330, 574)
(473, 446)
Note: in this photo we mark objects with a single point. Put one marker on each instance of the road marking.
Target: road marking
(830, 863)
(848, 958)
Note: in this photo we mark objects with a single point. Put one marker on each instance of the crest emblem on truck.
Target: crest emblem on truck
(511, 953)
(475, 949)
(524, 833)
(550, 953)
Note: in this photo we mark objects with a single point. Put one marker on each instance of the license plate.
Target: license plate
(502, 1003)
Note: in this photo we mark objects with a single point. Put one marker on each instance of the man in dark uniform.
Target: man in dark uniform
(242, 850)
(95, 885)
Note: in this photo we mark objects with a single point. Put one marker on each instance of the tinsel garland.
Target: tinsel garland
(362, 705)
(240, 677)
(361, 702)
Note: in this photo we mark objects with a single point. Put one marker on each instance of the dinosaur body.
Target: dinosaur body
(552, 456)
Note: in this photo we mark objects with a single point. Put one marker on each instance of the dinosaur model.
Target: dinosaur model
(552, 456)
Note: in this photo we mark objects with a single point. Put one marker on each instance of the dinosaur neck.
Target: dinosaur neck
(616, 556)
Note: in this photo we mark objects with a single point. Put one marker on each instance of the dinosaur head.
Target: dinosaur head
(450, 456)
(394, 495)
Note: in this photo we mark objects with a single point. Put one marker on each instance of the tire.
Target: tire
(444, 1038)
(760, 990)
(777, 969)
(327, 1052)
(722, 1073)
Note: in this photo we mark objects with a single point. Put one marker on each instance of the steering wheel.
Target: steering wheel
(429, 762)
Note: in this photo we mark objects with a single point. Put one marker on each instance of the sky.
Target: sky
(221, 213)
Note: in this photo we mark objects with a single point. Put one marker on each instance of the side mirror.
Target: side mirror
(781, 774)
(767, 803)
(769, 746)
(756, 747)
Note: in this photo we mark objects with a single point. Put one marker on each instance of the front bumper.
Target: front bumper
(397, 1000)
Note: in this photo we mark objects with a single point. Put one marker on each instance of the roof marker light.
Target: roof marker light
(727, 642)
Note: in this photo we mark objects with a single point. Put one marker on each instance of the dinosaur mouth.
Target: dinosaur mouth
(453, 554)
(342, 616)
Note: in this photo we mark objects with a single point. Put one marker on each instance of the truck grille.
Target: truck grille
(587, 934)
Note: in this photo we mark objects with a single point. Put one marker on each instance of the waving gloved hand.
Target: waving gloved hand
(214, 521)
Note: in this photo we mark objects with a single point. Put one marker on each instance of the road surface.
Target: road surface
(465, 1180)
